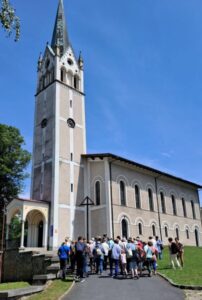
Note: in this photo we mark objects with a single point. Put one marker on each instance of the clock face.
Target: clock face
(71, 123)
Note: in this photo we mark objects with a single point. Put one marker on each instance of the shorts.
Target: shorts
(133, 265)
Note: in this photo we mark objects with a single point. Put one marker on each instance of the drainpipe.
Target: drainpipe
(112, 213)
(157, 198)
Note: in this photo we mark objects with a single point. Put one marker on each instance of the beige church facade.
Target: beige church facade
(129, 199)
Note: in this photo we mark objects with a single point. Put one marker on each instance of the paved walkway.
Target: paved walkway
(105, 287)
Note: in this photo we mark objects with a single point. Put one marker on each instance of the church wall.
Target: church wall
(147, 217)
(47, 188)
(63, 224)
(64, 184)
(97, 173)
(78, 143)
(64, 140)
(64, 102)
(36, 183)
(79, 224)
(38, 145)
(79, 184)
(98, 221)
(78, 108)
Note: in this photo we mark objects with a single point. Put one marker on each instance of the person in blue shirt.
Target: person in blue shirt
(116, 254)
(63, 253)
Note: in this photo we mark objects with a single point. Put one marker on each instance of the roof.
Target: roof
(158, 173)
(31, 200)
(60, 36)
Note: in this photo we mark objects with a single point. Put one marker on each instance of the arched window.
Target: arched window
(177, 233)
(163, 206)
(151, 204)
(140, 228)
(196, 237)
(153, 230)
(184, 208)
(137, 196)
(97, 193)
(122, 193)
(62, 75)
(187, 233)
(76, 82)
(193, 210)
(124, 225)
(166, 231)
(174, 205)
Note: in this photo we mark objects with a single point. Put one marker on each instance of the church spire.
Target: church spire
(60, 37)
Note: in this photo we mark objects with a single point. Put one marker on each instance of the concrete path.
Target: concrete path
(105, 287)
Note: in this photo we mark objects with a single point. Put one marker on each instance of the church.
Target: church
(124, 197)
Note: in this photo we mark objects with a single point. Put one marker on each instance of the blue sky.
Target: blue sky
(143, 75)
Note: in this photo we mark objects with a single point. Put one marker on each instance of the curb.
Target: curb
(181, 286)
(68, 291)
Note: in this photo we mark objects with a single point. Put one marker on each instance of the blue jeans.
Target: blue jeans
(116, 262)
(99, 264)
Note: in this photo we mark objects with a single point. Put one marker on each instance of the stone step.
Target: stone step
(39, 279)
(18, 293)
(53, 267)
(55, 259)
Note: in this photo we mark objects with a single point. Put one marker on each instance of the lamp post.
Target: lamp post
(87, 202)
(4, 211)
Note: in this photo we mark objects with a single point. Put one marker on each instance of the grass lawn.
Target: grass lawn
(13, 285)
(191, 274)
(54, 291)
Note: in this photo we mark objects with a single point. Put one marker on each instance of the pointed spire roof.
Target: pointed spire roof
(60, 36)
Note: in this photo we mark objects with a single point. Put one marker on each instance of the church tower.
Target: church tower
(60, 135)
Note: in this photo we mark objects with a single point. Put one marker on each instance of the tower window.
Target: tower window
(174, 205)
(70, 62)
(72, 187)
(70, 103)
(151, 203)
(44, 123)
(47, 63)
(76, 82)
(122, 193)
(62, 75)
(163, 207)
(97, 193)
(187, 233)
(71, 155)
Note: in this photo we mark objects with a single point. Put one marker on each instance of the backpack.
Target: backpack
(129, 252)
(136, 255)
(98, 251)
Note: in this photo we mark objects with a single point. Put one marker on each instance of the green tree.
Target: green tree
(8, 19)
(13, 161)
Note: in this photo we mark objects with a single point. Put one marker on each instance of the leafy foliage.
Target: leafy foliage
(13, 160)
(9, 20)
(15, 227)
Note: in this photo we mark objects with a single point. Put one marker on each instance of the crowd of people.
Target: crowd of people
(128, 257)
